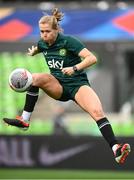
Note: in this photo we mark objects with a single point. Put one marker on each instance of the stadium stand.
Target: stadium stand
(79, 21)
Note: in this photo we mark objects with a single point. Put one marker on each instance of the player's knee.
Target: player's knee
(97, 113)
(40, 79)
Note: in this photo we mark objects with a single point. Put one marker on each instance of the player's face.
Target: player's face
(47, 33)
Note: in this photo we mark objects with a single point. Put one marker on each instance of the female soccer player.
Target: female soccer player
(67, 58)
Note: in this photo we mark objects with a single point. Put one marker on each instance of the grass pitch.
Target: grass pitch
(63, 174)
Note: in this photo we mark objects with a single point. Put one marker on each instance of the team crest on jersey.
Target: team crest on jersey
(62, 52)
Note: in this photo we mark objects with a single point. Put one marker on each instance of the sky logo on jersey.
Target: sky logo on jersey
(62, 52)
(55, 64)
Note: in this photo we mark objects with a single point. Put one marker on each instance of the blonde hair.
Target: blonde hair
(53, 19)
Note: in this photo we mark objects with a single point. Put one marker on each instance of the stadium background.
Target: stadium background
(107, 28)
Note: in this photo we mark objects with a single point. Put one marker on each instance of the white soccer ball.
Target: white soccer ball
(20, 80)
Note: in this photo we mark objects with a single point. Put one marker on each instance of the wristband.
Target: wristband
(75, 69)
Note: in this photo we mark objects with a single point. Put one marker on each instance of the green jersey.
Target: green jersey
(63, 53)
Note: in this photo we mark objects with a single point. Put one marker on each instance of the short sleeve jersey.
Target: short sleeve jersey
(63, 53)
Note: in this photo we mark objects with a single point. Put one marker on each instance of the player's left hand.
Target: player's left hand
(68, 71)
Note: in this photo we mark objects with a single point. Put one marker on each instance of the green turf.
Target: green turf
(63, 174)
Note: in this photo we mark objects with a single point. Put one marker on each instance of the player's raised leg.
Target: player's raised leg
(49, 84)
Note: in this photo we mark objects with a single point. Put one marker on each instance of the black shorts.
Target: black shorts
(71, 88)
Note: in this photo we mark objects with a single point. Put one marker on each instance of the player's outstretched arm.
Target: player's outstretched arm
(33, 51)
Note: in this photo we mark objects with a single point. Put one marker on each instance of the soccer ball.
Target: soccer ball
(20, 80)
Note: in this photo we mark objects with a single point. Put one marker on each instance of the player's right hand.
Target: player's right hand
(32, 51)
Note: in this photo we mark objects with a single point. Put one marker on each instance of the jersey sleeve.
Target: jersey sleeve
(74, 45)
